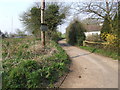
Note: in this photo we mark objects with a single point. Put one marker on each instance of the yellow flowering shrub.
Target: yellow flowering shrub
(103, 36)
(111, 40)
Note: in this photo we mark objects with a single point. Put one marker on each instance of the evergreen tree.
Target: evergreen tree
(53, 17)
(75, 33)
(106, 26)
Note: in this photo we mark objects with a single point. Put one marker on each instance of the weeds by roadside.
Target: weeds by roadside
(26, 67)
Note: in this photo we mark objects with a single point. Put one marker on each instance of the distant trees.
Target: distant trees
(2, 35)
(20, 32)
(6, 34)
(75, 33)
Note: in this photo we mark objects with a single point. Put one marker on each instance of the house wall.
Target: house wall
(92, 33)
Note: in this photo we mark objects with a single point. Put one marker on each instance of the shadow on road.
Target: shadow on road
(67, 45)
(80, 55)
(84, 54)
(64, 44)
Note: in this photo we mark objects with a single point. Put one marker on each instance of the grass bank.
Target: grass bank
(26, 65)
(110, 54)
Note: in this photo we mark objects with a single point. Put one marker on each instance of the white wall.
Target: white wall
(92, 33)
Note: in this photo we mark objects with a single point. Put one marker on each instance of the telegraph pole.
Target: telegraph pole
(42, 21)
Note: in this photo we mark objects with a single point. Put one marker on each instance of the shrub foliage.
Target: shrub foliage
(75, 33)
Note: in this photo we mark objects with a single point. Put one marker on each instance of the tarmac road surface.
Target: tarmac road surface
(89, 70)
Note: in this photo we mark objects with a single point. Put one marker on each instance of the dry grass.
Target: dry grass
(39, 52)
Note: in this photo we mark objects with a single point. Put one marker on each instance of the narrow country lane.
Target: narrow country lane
(89, 70)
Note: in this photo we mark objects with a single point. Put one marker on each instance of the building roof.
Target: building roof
(90, 28)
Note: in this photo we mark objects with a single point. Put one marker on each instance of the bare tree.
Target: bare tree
(99, 10)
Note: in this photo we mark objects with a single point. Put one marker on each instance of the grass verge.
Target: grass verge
(110, 54)
(23, 68)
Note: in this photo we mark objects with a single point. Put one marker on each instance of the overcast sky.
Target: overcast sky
(10, 14)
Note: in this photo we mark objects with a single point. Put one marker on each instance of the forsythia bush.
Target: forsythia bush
(112, 41)
(103, 36)
(110, 38)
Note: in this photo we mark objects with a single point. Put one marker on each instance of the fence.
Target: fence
(94, 44)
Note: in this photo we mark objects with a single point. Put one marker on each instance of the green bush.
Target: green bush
(54, 35)
(75, 33)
